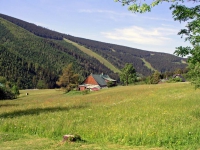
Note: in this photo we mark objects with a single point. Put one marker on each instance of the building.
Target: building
(96, 82)
(178, 76)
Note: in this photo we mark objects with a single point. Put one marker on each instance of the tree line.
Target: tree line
(129, 75)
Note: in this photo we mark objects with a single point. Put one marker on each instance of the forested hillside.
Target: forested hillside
(119, 55)
(116, 54)
(25, 74)
(32, 55)
(37, 30)
(32, 61)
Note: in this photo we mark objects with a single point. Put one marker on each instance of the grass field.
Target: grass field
(164, 116)
(95, 55)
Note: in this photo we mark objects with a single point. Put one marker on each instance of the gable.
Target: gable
(90, 80)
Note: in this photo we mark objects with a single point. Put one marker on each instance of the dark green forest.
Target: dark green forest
(37, 30)
(116, 54)
(120, 55)
(32, 61)
(33, 57)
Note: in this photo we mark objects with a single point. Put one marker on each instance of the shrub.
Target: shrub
(6, 94)
(75, 138)
(110, 84)
(86, 92)
(15, 90)
(173, 80)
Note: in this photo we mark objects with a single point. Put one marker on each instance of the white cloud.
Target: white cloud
(156, 18)
(120, 14)
(107, 12)
(140, 35)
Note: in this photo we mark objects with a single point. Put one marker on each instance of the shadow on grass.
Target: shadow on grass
(8, 105)
(37, 111)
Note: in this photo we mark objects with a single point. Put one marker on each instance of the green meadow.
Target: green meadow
(163, 116)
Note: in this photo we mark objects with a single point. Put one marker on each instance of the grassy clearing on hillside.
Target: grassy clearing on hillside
(95, 55)
(148, 65)
(165, 116)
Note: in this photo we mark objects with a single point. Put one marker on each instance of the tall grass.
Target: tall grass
(166, 115)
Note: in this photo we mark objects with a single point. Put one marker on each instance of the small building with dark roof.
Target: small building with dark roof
(95, 81)
(179, 76)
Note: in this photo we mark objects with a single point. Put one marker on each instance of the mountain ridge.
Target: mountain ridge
(33, 58)
(117, 55)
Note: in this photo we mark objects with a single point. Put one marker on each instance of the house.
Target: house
(179, 77)
(96, 82)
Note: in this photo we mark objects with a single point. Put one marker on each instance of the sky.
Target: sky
(103, 20)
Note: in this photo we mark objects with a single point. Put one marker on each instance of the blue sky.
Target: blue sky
(102, 20)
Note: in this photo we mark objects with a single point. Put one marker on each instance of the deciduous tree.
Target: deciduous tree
(191, 34)
(5, 91)
(128, 74)
(155, 78)
(142, 6)
(68, 80)
(15, 91)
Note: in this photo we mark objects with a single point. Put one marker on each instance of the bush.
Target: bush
(75, 138)
(85, 92)
(6, 94)
(111, 84)
(173, 80)
(15, 90)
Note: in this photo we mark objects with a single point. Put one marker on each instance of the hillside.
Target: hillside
(119, 55)
(95, 55)
(27, 59)
(144, 61)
